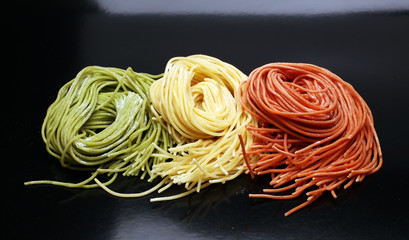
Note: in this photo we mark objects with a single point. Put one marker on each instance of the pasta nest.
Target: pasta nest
(197, 102)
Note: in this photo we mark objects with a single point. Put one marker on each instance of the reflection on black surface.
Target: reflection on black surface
(220, 211)
(208, 199)
(344, 196)
(211, 198)
(260, 7)
(54, 212)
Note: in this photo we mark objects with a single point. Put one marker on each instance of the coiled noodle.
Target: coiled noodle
(197, 101)
(101, 121)
(316, 132)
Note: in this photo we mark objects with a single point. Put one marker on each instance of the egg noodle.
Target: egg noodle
(197, 102)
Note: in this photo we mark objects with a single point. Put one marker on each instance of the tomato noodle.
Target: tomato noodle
(316, 132)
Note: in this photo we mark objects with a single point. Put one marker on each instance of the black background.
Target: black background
(366, 44)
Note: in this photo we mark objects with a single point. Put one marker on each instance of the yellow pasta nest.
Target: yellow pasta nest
(197, 102)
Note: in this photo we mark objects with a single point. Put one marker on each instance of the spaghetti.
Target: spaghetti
(316, 134)
(197, 102)
(101, 121)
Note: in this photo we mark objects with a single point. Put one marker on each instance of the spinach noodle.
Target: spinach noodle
(101, 121)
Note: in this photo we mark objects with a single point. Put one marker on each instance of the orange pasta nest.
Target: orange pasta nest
(316, 133)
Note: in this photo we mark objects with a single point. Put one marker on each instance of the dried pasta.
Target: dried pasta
(101, 122)
(196, 100)
(316, 134)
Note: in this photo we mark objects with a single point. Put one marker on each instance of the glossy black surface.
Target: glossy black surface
(365, 43)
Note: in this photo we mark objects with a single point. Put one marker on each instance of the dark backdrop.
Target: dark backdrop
(365, 43)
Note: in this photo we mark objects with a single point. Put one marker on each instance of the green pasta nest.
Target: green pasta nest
(102, 121)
